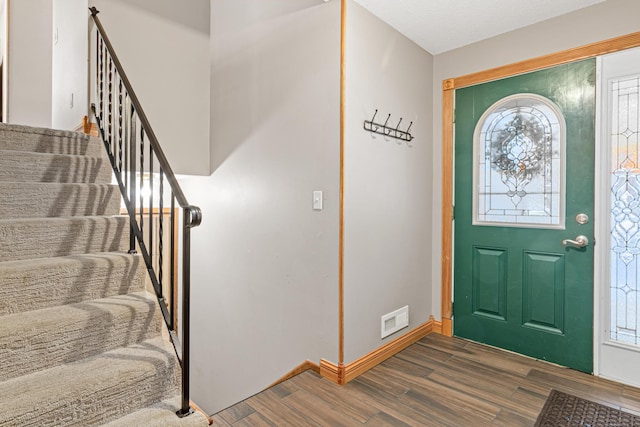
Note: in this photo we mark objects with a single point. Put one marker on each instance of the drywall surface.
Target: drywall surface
(387, 193)
(3, 27)
(164, 47)
(69, 63)
(264, 263)
(600, 22)
(3, 55)
(29, 62)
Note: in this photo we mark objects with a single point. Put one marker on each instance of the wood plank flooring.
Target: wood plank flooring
(438, 381)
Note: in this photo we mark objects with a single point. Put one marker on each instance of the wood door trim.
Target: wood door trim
(448, 86)
(447, 210)
(583, 52)
(343, 17)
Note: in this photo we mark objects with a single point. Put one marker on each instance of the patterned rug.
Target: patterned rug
(563, 409)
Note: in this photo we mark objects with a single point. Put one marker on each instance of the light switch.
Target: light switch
(317, 200)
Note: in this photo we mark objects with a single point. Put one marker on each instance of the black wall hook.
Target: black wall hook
(372, 126)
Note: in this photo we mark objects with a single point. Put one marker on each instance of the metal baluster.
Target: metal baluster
(120, 152)
(132, 180)
(140, 213)
(150, 200)
(127, 137)
(97, 77)
(101, 86)
(126, 131)
(160, 231)
(185, 409)
(110, 109)
(172, 247)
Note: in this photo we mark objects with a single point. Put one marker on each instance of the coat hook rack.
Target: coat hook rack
(372, 126)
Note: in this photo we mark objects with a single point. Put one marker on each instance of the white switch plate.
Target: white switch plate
(317, 200)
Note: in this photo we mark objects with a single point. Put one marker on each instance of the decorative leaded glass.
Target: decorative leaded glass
(625, 209)
(519, 171)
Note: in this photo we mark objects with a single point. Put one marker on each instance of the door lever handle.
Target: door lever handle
(579, 242)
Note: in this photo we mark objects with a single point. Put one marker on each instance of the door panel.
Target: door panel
(515, 285)
(543, 294)
(490, 282)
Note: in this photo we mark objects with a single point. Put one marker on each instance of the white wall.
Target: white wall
(603, 21)
(29, 64)
(164, 48)
(3, 53)
(3, 27)
(69, 63)
(387, 182)
(264, 266)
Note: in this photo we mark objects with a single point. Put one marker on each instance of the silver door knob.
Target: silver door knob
(579, 242)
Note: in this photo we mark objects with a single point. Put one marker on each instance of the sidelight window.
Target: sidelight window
(625, 208)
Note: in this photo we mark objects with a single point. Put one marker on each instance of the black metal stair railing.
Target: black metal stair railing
(139, 163)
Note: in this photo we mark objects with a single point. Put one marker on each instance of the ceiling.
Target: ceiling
(441, 25)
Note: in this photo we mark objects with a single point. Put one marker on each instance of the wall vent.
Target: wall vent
(394, 321)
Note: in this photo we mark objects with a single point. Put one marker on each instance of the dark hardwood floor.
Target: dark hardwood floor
(438, 381)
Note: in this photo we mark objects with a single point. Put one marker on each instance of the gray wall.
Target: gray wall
(47, 62)
(387, 182)
(29, 62)
(3, 52)
(69, 63)
(265, 272)
(603, 21)
(265, 285)
(164, 48)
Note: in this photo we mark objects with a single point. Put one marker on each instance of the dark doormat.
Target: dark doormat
(563, 409)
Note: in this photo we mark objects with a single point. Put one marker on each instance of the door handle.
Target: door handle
(579, 242)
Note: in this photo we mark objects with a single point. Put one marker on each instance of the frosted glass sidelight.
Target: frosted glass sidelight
(625, 209)
(519, 164)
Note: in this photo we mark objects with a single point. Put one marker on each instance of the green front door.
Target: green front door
(518, 195)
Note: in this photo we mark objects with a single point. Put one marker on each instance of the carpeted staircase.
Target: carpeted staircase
(81, 341)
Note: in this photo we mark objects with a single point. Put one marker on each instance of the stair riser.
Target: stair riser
(58, 200)
(49, 282)
(35, 340)
(52, 237)
(20, 166)
(92, 391)
(79, 145)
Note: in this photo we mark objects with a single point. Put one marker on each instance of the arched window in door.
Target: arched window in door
(519, 164)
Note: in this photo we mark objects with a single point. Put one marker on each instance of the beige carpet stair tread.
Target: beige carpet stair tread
(21, 166)
(49, 237)
(34, 340)
(55, 199)
(81, 342)
(46, 282)
(78, 144)
(6, 129)
(43, 140)
(92, 391)
(161, 414)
